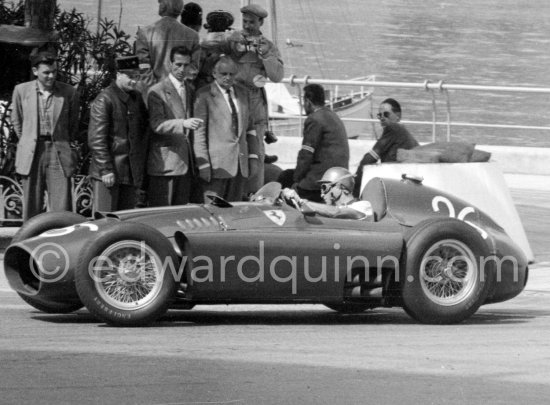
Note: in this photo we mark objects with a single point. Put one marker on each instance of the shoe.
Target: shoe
(270, 159)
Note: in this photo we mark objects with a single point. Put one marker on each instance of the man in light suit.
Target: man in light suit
(45, 116)
(170, 162)
(226, 146)
(153, 42)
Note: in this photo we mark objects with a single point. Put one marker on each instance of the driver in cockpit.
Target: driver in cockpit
(336, 190)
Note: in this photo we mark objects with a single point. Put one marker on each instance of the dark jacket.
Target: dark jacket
(395, 136)
(325, 145)
(118, 136)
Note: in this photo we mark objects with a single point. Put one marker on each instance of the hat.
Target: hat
(254, 9)
(42, 57)
(127, 64)
(191, 14)
(218, 21)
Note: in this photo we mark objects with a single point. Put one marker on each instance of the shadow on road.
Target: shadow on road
(197, 318)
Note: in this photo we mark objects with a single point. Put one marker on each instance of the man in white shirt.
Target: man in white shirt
(336, 190)
(226, 145)
(170, 162)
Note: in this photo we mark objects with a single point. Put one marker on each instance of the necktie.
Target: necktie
(234, 116)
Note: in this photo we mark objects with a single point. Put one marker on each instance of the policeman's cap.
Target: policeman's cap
(127, 64)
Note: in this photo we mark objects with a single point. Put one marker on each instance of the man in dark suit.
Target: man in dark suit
(45, 119)
(226, 145)
(170, 162)
(325, 144)
(118, 140)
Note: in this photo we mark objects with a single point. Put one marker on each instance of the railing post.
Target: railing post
(448, 99)
(434, 110)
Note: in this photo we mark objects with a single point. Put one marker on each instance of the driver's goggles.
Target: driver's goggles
(325, 187)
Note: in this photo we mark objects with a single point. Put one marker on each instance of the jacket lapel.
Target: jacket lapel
(57, 107)
(174, 99)
(33, 100)
(242, 127)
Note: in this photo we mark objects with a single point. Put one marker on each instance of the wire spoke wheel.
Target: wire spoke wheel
(448, 272)
(446, 278)
(128, 275)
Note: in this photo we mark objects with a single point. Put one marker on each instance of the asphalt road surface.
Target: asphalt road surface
(288, 354)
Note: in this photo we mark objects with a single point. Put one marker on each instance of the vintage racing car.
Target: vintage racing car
(424, 250)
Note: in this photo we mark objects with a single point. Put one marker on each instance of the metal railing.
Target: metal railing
(434, 87)
(11, 199)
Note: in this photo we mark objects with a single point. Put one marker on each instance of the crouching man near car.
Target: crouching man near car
(336, 190)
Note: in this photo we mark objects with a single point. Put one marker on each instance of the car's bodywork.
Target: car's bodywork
(266, 251)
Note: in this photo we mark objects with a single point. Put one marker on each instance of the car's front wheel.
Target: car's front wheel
(126, 276)
(447, 276)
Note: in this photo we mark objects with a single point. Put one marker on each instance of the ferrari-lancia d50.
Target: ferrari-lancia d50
(424, 250)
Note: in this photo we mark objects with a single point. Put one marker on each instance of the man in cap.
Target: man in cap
(257, 58)
(191, 16)
(45, 119)
(153, 42)
(118, 140)
(337, 186)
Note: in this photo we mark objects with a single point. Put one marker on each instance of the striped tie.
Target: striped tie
(234, 116)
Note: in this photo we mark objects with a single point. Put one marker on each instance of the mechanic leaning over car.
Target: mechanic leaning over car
(336, 190)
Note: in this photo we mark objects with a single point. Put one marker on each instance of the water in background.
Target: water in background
(482, 42)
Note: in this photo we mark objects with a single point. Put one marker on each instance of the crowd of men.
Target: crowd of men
(182, 118)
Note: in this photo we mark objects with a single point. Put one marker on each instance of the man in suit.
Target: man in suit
(45, 116)
(226, 146)
(170, 162)
(118, 140)
(153, 42)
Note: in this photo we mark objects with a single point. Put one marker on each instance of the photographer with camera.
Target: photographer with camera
(258, 59)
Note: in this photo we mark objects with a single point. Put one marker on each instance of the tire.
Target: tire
(34, 227)
(348, 307)
(113, 287)
(451, 293)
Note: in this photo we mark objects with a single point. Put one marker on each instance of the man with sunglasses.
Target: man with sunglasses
(394, 136)
(118, 140)
(337, 185)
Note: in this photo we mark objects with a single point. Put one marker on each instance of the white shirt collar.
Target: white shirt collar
(177, 84)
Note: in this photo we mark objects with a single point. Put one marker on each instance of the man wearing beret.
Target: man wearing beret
(118, 140)
(257, 58)
(45, 119)
(153, 42)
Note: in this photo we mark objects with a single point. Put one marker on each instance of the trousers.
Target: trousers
(46, 175)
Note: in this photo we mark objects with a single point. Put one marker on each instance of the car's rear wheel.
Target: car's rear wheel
(34, 227)
(446, 278)
(124, 275)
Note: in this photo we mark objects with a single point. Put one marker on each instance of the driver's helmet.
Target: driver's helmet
(338, 175)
